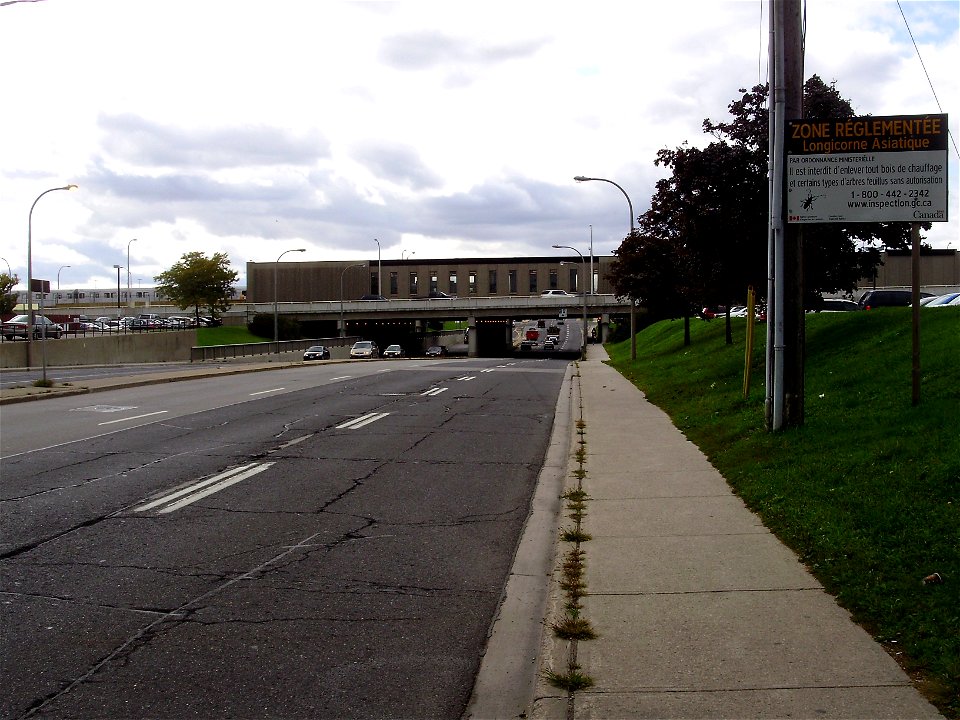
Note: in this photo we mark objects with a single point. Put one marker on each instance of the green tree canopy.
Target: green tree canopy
(200, 281)
(710, 216)
(8, 298)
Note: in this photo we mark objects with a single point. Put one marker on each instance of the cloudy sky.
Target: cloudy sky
(442, 128)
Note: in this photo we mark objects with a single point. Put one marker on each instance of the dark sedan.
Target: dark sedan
(436, 351)
(317, 352)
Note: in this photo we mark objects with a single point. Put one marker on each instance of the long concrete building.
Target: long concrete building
(412, 279)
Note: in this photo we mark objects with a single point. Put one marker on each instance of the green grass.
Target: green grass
(225, 335)
(867, 491)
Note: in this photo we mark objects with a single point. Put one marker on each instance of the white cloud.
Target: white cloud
(441, 128)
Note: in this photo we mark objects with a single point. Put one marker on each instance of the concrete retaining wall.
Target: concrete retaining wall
(167, 346)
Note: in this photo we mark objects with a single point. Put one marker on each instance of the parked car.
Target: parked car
(887, 298)
(374, 298)
(556, 293)
(944, 300)
(436, 351)
(438, 295)
(364, 349)
(316, 352)
(836, 305)
(393, 351)
(18, 327)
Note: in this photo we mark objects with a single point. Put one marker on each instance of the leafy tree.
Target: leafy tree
(835, 256)
(199, 281)
(8, 298)
(710, 217)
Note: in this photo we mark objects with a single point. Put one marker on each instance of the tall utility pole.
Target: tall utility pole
(785, 321)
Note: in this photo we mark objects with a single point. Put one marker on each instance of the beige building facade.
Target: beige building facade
(412, 279)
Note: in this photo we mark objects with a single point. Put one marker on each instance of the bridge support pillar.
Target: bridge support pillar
(604, 330)
(471, 336)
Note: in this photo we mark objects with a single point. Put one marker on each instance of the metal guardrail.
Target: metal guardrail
(222, 352)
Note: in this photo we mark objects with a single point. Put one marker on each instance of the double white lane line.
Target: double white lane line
(199, 490)
(359, 422)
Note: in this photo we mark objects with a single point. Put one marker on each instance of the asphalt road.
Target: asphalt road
(320, 541)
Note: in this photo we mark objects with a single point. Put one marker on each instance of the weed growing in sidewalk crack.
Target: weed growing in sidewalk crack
(573, 627)
(571, 681)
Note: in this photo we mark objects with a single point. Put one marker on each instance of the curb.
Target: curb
(509, 672)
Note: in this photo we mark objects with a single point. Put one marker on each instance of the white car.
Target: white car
(556, 293)
(364, 349)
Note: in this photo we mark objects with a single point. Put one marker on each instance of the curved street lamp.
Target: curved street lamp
(633, 309)
(58, 281)
(343, 327)
(276, 331)
(30, 278)
(583, 267)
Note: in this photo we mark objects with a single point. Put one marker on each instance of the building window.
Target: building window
(414, 289)
(533, 281)
(492, 282)
(394, 283)
(472, 278)
(574, 277)
(512, 281)
(553, 280)
(434, 281)
(453, 282)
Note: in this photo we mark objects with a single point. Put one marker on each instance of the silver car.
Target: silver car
(364, 349)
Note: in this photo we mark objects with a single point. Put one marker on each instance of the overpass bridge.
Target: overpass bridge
(490, 319)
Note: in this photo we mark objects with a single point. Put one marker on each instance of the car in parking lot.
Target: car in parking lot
(18, 327)
(556, 293)
(440, 295)
(394, 351)
(374, 298)
(895, 297)
(364, 349)
(436, 351)
(316, 352)
(835, 305)
(944, 300)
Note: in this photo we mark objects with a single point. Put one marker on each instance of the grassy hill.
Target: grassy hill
(867, 491)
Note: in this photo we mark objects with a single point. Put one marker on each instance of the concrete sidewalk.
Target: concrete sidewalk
(701, 612)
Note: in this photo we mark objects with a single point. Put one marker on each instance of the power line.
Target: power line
(929, 81)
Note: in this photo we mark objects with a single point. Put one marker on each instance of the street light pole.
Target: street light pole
(129, 296)
(58, 282)
(343, 327)
(30, 273)
(119, 268)
(633, 312)
(276, 324)
(583, 268)
(379, 272)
